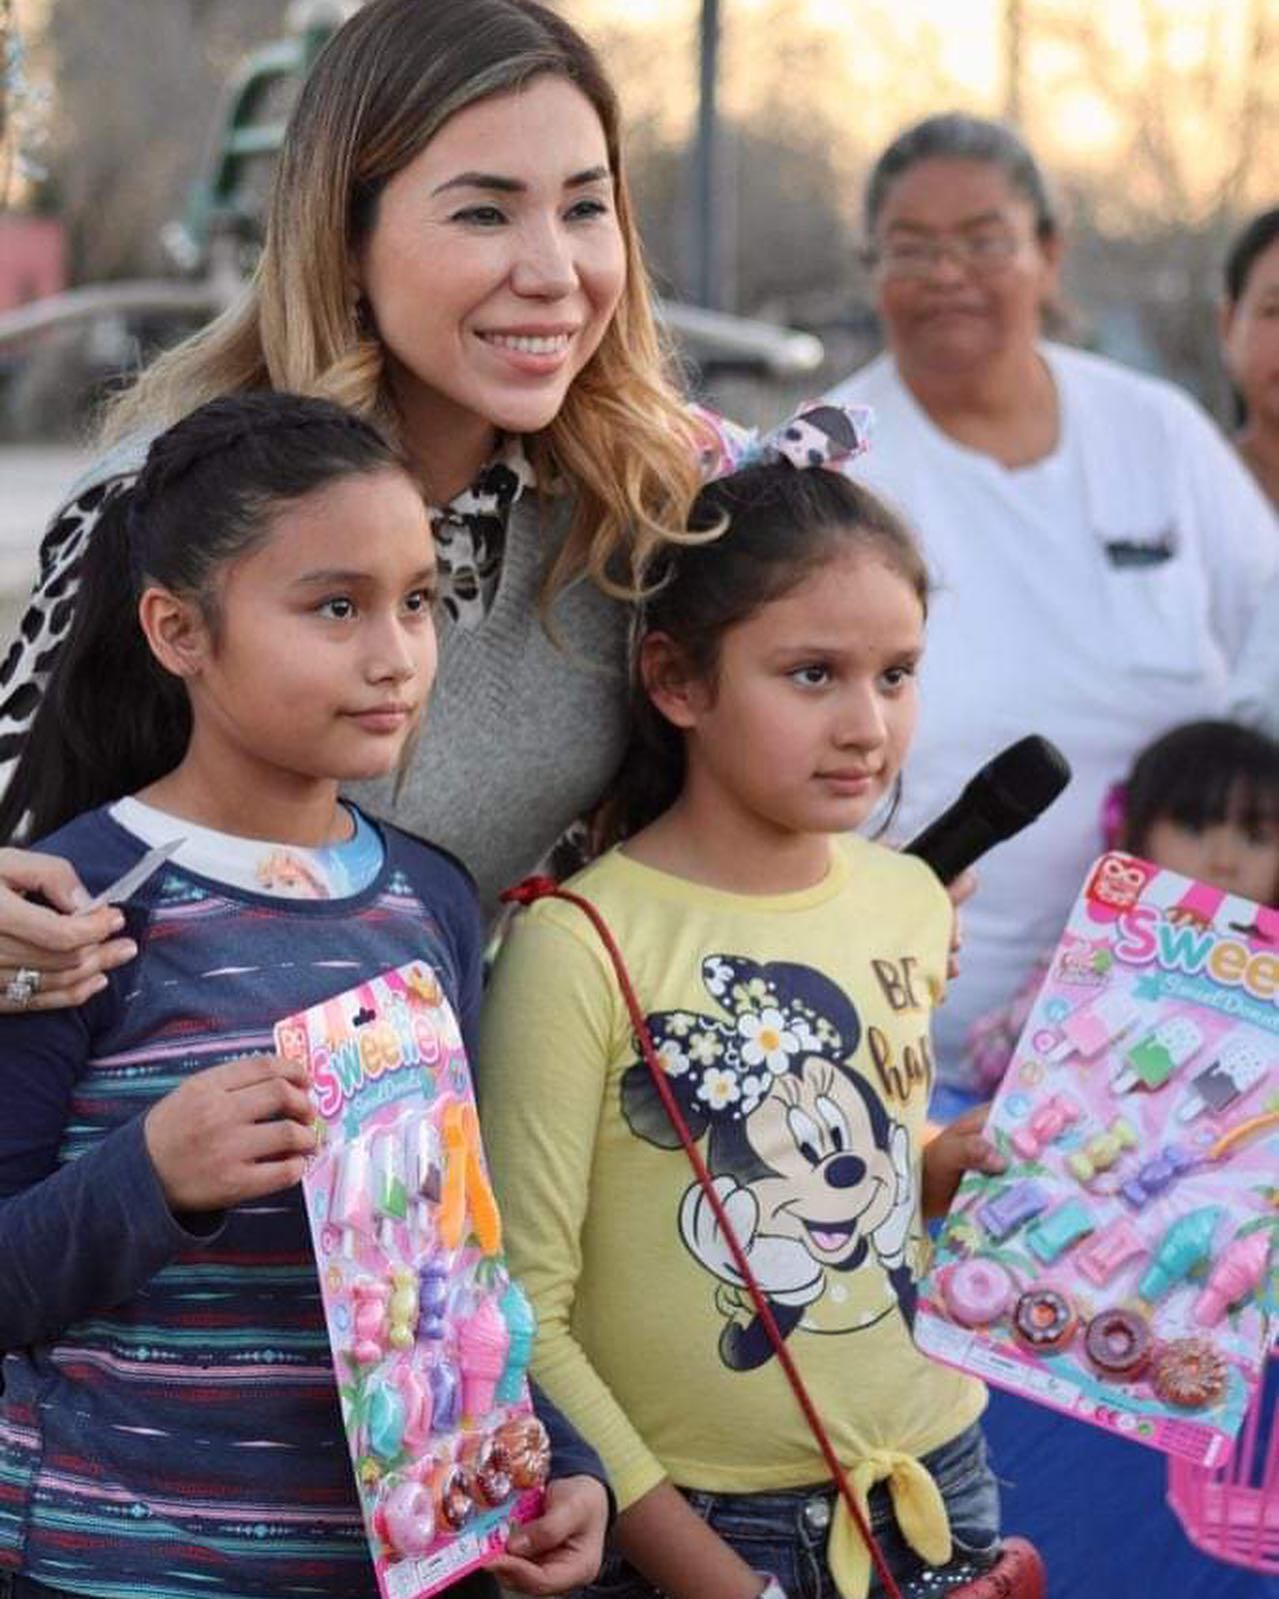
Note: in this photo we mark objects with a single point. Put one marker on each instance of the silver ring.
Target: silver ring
(22, 987)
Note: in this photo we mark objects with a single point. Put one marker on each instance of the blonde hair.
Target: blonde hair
(381, 89)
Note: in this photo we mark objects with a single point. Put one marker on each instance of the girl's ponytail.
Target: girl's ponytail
(649, 779)
(111, 720)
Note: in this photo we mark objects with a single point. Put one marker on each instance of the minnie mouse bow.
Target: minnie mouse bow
(818, 434)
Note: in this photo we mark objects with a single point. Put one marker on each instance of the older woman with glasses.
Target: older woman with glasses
(1097, 550)
(1095, 544)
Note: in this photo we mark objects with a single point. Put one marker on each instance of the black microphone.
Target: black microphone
(1007, 794)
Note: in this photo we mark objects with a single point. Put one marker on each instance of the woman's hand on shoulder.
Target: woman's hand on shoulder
(561, 1549)
(959, 1147)
(53, 957)
(232, 1133)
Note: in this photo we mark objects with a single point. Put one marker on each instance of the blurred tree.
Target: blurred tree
(24, 110)
(137, 90)
(1180, 103)
(800, 113)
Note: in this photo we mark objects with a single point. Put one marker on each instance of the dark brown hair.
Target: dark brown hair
(780, 523)
(1199, 775)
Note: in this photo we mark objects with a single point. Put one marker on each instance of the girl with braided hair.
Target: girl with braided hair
(256, 627)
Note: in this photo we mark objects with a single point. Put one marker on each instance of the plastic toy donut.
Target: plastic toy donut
(976, 1291)
(522, 1449)
(1118, 1342)
(1189, 1372)
(406, 1519)
(1043, 1319)
(489, 1473)
(455, 1498)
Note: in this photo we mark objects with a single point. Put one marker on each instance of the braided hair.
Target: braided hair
(112, 719)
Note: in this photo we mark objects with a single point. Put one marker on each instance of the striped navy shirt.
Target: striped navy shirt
(170, 1424)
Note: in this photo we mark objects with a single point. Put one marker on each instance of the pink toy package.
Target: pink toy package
(1123, 1268)
(430, 1336)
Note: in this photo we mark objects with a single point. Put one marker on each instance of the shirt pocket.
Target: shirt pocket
(1154, 601)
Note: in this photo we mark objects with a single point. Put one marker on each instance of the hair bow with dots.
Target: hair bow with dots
(818, 434)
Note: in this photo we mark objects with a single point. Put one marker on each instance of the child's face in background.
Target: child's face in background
(324, 648)
(813, 703)
(1239, 856)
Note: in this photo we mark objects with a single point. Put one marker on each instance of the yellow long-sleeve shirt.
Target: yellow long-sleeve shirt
(794, 1030)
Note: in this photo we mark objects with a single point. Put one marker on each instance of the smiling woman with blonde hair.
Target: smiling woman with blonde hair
(451, 252)
(376, 99)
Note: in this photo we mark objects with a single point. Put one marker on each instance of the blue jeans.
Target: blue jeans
(785, 1533)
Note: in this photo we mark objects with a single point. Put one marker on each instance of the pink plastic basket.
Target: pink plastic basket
(1233, 1512)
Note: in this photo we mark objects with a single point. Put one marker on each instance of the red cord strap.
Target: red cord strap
(535, 888)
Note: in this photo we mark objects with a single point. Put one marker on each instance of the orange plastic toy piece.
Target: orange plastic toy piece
(466, 1185)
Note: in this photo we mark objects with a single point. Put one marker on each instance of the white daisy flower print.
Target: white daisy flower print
(718, 1088)
(769, 1040)
(810, 1042)
(705, 1048)
(673, 1060)
(753, 1090)
(718, 975)
(754, 993)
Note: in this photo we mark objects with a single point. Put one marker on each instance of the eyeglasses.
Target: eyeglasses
(983, 254)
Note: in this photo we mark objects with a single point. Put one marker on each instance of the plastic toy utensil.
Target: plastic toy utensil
(452, 1217)
(466, 1185)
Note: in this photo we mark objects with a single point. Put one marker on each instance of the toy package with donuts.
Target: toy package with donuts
(1124, 1268)
(430, 1335)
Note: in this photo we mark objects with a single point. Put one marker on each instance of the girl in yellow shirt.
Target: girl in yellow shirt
(788, 972)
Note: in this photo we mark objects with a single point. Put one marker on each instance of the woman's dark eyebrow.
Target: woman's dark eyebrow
(501, 185)
(982, 219)
(349, 576)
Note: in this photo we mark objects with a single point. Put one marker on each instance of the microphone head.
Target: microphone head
(1019, 783)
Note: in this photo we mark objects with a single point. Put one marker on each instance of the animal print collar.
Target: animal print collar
(470, 533)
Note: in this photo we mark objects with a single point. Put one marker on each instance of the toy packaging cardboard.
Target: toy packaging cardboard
(430, 1337)
(1123, 1268)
